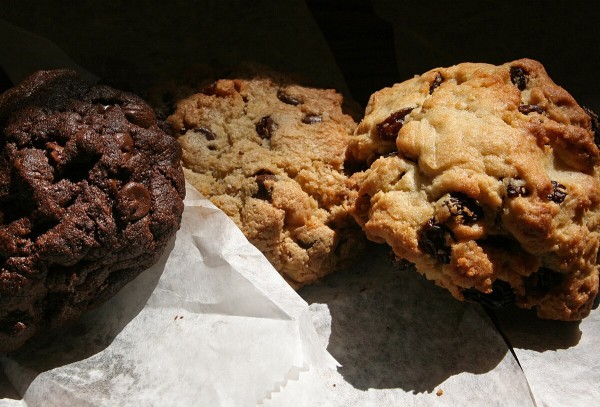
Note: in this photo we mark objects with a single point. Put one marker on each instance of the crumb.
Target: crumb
(439, 393)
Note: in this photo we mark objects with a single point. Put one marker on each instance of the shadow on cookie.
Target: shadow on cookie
(93, 333)
(392, 329)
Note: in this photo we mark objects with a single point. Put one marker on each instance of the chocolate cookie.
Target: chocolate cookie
(271, 156)
(91, 191)
(486, 177)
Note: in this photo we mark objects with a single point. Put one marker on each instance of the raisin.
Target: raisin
(285, 98)
(559, 193)
(265, 127)
(312, 119)
(518, 77)
(513, 191)
(206, 132)
(501, 295)
(595, 124)
(436, 82)
(543, 280)
(463, 208)
(432, 240)
(389, 128)
(261, 177)
(526, 109)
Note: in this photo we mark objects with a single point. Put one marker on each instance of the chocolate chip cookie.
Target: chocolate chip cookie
(91, 190)
(486, 177)
(271, 156)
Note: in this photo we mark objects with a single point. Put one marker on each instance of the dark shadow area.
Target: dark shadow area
(524, 330)
(135, 48)
(6, 390)
(5, 82)
(90, 335)
(394, 329)
(361, 42)
(437, 33)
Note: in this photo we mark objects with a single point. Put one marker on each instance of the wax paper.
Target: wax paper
(211, 324)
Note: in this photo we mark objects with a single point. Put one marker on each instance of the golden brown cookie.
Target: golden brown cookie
(486, 177)
(271, 156)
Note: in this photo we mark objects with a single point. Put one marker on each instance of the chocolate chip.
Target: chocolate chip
(55, 151)
(432, 241)
(285, 98)
(306, 245)
(389, 128)
(463, 208)
(595, 124)
(518, 77)
(206, 132)
(559, 193)
(526, 109)
(502, 295)
(264, 192)
(436, 82)
(513, 191)
(133, 201)
(139, 115)
(265, 127)
(125, 144)
(312, 119)
(543, 280)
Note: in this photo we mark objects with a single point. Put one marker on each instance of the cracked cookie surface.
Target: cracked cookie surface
(485, 177)
(91, 191)
(271, 155)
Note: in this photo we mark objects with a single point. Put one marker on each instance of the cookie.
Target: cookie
(485, 177)
(271, 156)
(91, 191)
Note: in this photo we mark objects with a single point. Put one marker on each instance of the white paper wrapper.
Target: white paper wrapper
(211, 324)
(561, 360)
(401, 340)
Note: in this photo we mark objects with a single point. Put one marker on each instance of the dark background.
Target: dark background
(379, 42)
(375, 43)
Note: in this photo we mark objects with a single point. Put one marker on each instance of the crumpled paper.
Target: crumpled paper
(211, 324)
